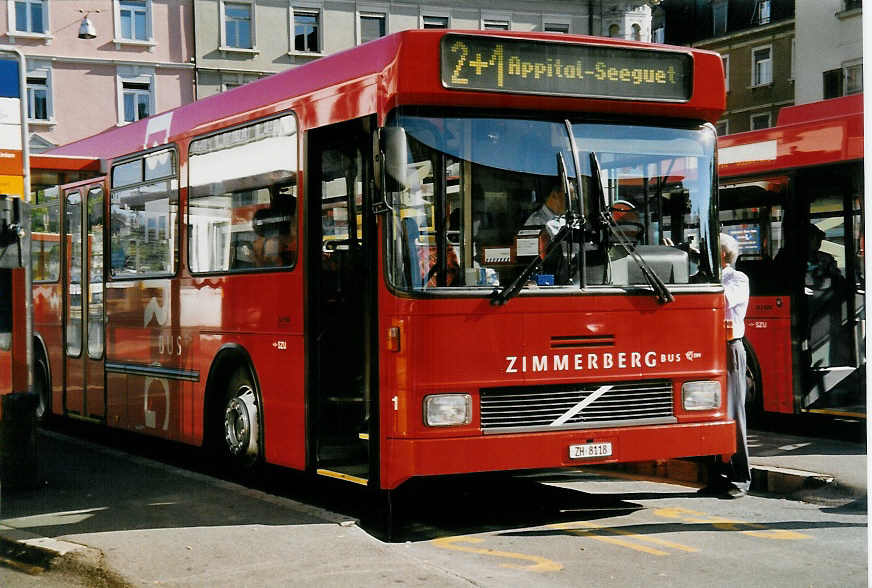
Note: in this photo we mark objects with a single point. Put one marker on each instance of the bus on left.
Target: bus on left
(16, 326)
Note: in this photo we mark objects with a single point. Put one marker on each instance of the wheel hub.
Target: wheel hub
(240, 423)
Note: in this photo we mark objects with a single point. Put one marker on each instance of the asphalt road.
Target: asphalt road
(157, 523)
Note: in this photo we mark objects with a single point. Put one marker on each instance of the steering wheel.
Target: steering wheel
(623, 207)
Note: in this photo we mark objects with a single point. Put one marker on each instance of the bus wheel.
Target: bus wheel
(753, 387)
(41, 388)
(241, 422)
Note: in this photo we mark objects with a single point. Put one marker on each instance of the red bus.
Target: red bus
(345, 268)
(793, 197)
(15, 307)
(14, 310)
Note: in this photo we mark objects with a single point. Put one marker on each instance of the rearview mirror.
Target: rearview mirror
(395, 149)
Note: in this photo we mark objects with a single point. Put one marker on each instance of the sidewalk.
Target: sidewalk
(812, 469)
(113, 519)
(99, 506)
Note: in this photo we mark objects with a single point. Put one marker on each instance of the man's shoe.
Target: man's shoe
(734, 493)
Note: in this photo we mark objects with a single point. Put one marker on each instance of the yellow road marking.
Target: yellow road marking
(540, 564)
(618, 531)
(725, 524)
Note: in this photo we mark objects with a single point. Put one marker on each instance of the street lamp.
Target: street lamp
(87, 30)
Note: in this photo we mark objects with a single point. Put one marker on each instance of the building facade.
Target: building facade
(829, 45)
(238, 41)
(755, 39)
(138, 63)
(94, 64)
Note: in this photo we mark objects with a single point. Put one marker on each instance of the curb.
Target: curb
(786, 482)
(34, 555)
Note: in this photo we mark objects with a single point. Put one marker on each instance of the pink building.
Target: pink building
(139, 62)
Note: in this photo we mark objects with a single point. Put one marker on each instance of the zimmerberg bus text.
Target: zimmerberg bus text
(593, 361)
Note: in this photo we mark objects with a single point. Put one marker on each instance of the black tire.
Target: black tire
(753, 386)
(42, 389)
(240, 424)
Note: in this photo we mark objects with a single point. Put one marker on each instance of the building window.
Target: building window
(556, 27)
(495, 20)
(723, 128)
(614, 31)
(719, 17)
(495, 25)
(307, 30)
(853, 4)
(135, 94)
(854, 79)
(637, 32)
(238, 25)
(31, 16)
(761, 121)
(658, 35)
(372, 26)
(762, 68)
(726, 60)
(843, 81)
(39, 107)
(137, 100)
(764, 12)
(134, 20)
(434, 22)
(833, 83)
(234, 80)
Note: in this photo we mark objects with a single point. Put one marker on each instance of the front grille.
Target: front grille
(552, 408)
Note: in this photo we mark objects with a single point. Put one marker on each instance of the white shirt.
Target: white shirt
(736, 292)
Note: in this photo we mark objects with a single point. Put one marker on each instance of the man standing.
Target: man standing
(735, 480)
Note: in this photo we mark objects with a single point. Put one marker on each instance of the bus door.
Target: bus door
(832, 315)
(83, 302)
(341, 269)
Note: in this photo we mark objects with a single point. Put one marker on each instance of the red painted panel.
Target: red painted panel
(47, 307)
(767, 328)
(465, 345)
(824, 132)
(5, 372)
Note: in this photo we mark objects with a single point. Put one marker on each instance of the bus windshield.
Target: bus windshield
(482, 198)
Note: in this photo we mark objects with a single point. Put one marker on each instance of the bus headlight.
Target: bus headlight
(703, 395)
(441, 410)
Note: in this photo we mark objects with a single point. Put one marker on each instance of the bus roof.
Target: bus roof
(818, 133)
(402, 68)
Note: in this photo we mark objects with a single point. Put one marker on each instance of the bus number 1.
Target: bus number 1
(396, 401)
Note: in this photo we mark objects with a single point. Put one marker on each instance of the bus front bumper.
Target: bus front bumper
(407, 458)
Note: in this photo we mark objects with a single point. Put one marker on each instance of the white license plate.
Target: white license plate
(590, 450)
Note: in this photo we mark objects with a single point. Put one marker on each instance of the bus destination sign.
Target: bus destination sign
(563, 69)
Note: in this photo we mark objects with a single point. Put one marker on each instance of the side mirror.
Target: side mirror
(8, 220)
(395, 150)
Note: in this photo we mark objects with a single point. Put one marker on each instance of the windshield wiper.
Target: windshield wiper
(661, 291)
(500, 297)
